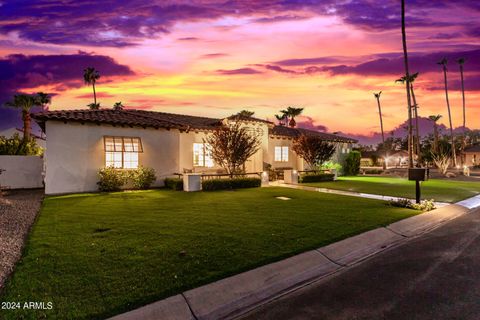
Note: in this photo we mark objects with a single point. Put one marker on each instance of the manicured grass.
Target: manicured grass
(439, 190)
(96, 255)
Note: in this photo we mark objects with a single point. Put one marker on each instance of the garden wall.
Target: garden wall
(21, 172)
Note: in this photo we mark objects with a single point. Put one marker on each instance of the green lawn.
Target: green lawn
(96, 255)
(439, 190)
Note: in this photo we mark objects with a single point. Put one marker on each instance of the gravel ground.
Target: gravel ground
(18, 210)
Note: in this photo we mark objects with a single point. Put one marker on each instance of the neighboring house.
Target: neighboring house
(398, 159)
(372, 159)
(80, 142)
(472, 155)
(8, 133)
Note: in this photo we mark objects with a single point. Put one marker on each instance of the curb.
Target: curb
(236, 295)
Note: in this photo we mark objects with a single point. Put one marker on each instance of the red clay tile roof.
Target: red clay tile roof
(153, 119)
(285, 131)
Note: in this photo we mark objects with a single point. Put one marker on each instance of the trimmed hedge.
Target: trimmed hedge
(174, 184)
(319, 177)
(229, 184)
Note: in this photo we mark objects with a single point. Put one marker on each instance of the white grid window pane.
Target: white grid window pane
(208, 155)
(278, 153)
(113, 159)
(198, 159)
(130, 160)
(109, 144)
(284, 154)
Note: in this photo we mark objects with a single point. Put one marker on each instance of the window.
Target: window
(122, 152)
(281, 154)
(201, 155)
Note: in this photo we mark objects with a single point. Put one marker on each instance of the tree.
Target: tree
(377, 96)
(231, 146)
(25, 102)
(245, 113)
(44, 100)
(443, 63)
(313, 149)
(412, 79)
(93, 106)
(281, 119)
(435, 118)
(407, 86)
(292, 113)
(461, 62)
(116, 106)
(90, 76)
(352, 163)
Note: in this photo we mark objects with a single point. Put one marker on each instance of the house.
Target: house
(472, 155)
(397, 159)
(80, 142)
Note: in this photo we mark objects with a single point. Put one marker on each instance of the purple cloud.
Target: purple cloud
(214, 55)
(306, 122)
(307, 61)
(238, 71)
(21, 73)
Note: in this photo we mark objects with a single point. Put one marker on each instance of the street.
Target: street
(434, 276)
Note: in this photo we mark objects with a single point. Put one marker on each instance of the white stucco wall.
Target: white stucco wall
(75, 153)
(21, 172)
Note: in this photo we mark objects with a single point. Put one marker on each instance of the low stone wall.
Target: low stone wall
(21, 172)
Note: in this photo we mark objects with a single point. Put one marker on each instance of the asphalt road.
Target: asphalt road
(435, 276)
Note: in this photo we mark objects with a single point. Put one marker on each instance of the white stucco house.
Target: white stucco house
(80, 142)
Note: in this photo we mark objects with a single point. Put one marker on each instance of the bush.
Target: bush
(142, 177)
(332, 165)
(317, 177)
(373, 171)
(425, 205)
(111, 179)
(229, 184)
(174, 184)
(352, 163)
(16, 146)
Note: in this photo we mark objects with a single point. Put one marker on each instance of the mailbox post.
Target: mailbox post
(417, 175)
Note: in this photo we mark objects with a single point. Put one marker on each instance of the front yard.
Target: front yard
(439, 190)
(96, 255)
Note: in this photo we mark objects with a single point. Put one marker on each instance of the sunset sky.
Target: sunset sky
(214, 58)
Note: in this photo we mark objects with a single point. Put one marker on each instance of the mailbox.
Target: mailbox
(417, 174)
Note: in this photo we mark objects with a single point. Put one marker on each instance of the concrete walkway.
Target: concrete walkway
(350, 193)
(234, 296)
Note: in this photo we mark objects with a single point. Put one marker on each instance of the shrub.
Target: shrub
(352, 163)
(111, 179)
(373, 171)
(174, 184)
(424, 205)
(16, 146)
(229, 184)
(142, 177)
(332, 165)
(317, 177)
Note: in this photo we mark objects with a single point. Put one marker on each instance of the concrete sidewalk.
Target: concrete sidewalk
(231, 297)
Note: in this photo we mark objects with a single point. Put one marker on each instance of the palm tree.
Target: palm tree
(461, 62)
(407, 86)
(24, 102)
(245, 113)
(293, 112)
(281, 119)
(443, 63)
(377, 96)
(117, 106)
(435, 118)
(412, 79)
(91, 75)
(43, 100)
(93, 106)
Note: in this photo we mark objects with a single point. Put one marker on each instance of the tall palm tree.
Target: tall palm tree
(461, 62)
(43, 100)
(25, 102)
(412, 79)
(91, 75)
(435, 118)
(377, 96)
(443, 63)
(407, 86)
(118, 106)
(293, 112)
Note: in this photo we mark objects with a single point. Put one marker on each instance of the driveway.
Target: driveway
(435, 276)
